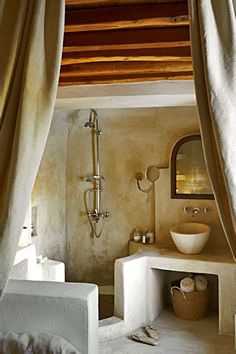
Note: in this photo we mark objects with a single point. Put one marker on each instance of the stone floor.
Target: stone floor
(176, 336)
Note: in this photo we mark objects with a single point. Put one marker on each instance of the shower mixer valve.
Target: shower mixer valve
(92, 178)
(97, 215)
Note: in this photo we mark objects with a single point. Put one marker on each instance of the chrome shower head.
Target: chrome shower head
(89, 124)
(92, 117)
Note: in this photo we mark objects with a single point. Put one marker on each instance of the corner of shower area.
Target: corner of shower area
(95, 200)
(85, 195)
(70, 198)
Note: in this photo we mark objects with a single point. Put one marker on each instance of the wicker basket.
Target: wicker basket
(189, 306)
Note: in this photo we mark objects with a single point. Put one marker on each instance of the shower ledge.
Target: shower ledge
(27, 252)
(139, 283)
(25, 264)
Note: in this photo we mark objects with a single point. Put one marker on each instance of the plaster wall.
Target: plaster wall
(132, 139)
(170, 212)
(49, 192)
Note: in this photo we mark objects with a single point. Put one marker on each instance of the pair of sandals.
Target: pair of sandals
(151, 339)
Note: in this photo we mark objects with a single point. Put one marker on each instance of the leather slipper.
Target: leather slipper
(152, 332)
(142, 338)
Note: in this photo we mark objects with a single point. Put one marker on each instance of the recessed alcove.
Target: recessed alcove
(128, 113)
(217, 263)
(162, 94)
(170, 276)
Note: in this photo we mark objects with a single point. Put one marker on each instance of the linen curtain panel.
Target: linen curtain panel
(213, 36)
(31, 37)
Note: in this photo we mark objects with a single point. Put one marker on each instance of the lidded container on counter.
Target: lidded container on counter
(150, 237)
(137, 235)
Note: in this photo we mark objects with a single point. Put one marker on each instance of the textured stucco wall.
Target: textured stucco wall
(170, 212)
(132, 139)
(49, 193)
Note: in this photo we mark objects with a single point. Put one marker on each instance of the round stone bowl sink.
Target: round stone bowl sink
(190, 238)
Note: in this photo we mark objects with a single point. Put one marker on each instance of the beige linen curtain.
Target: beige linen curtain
(31, 36)
(213, 36)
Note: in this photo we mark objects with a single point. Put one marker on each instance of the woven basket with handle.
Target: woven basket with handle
(189, 305)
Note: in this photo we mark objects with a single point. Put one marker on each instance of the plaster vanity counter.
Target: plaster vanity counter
(218, 255)
(142, 274)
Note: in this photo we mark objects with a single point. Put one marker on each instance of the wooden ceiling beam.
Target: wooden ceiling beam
(139, 23)
(115, 41)
(112, 47)
(160, 15)
(102, 59)
(125, 39)
(119, 68)
(105, 3)
(166, 54)
(126, 78)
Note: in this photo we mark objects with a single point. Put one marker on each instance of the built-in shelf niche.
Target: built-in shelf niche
(212, 279)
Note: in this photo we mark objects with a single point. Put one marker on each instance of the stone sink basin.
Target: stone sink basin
(190, 238)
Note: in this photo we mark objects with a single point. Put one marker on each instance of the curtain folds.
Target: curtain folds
(31, 38)
(213, 37)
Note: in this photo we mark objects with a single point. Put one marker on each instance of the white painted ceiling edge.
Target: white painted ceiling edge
(170, 93)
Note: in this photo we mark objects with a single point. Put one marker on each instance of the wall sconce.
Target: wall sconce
(152, 174)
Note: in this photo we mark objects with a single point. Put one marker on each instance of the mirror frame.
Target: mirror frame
(174, 153)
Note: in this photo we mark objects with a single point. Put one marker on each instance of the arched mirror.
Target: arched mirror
(189, 177)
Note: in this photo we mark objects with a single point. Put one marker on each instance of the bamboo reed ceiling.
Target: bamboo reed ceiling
(109, 41)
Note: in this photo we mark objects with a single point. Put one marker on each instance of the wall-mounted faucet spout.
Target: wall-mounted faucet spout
(196, 210)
